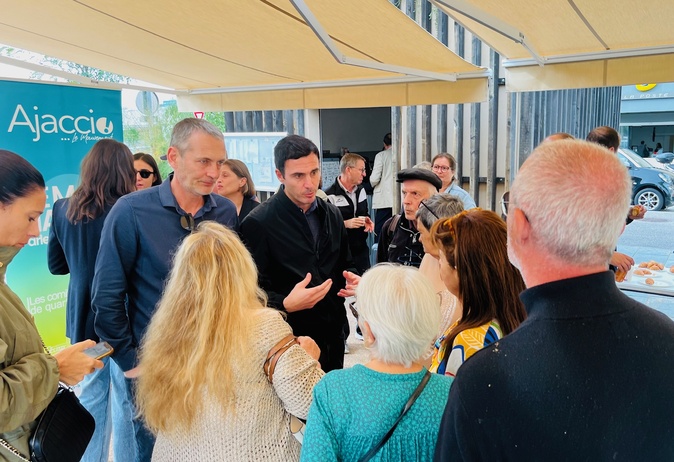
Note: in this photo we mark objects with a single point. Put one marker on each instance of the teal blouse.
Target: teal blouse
(354, 408)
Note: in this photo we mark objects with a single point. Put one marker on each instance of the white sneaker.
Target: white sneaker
(346, 349)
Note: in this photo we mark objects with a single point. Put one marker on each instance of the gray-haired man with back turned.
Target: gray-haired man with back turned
(588, 375)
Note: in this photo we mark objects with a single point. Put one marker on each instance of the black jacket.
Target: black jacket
(278, 236)
(587, 377)
(357, 237)
(400, 245)
(246, 207)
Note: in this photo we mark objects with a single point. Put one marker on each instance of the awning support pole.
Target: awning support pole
(324, 37)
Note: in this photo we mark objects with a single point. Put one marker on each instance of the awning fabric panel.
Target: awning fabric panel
(402, 94)
(601, 73)
(563, 33)
(224, 43)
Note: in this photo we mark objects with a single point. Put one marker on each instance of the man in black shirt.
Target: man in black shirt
(301, 250)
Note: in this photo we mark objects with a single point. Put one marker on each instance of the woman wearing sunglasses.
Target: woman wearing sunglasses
(106, 174)
(474, 266)
(147, 172)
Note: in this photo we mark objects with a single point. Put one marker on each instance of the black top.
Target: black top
(279, 238)
(247, 206)
(402, 245)
(589, 376)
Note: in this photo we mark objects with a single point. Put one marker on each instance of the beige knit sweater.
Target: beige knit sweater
(258, 429)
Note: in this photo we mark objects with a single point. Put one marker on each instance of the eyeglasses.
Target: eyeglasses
(144, 173)
(188, 223)
(354, 310)
(505, 201)
(361, 170)
(429, 209)
(441, 168)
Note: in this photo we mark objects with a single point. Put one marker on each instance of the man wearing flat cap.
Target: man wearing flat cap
(399, 240)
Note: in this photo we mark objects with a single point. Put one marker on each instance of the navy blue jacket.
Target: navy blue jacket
(138, 241)
(588, 376)
(72, 249)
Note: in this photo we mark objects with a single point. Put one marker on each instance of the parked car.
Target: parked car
(651, 187)
(662, 161)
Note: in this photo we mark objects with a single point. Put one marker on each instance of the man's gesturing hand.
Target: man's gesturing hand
(301, 298)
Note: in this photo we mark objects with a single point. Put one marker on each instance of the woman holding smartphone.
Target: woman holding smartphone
(29, 375)
(107, 173)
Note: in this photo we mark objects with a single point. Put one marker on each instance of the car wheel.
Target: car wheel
(650, 198)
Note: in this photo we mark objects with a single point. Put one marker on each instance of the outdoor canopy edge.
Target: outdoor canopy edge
(253, 54)
(561, 44)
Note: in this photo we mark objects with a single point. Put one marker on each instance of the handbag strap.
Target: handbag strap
(407, 407)
(13, 450)
(275, 353)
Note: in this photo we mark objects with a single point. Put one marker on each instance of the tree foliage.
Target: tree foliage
(152, 133)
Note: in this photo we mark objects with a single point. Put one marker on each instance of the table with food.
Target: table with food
(650, 277)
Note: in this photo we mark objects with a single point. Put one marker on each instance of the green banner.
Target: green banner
(53, 127)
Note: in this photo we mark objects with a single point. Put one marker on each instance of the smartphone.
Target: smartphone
(99, 351)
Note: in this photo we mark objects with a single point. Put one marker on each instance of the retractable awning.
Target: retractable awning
(557, 44)
(252, 54)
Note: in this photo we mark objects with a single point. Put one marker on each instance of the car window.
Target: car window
(634, 158)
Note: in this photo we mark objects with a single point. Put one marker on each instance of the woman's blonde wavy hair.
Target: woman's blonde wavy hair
(199, 330)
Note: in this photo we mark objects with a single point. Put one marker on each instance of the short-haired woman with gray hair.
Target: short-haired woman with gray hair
(353, 409)
(431, 210)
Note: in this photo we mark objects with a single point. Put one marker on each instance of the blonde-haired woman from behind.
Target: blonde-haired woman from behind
(202, 387)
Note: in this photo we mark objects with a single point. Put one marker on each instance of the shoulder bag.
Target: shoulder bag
(63, 430)
(296, 425)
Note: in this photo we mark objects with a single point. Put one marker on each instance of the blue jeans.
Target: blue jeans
(105, 395)
(144, 437)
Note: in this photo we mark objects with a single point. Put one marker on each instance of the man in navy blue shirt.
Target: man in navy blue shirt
(140, 236)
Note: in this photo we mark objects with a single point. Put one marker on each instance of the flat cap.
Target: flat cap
(419, 174)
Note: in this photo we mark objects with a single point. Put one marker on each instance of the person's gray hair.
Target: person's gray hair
(442, 205)
(424, 164)
(575, 195)
(183, 130)
(402, 310)
(350, 159)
